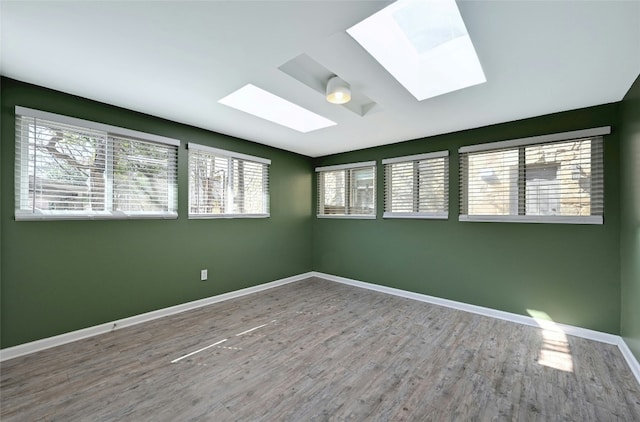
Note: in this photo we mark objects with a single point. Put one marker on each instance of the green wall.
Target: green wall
(630, 224)
(571, 272)
(59, 276)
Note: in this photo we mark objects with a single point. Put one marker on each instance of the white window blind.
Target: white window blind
(227, 184)
(347, 190)
(69, 168)
(417, 186)
(554, 179)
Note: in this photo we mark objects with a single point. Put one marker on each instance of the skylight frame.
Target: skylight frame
(446, 67)
(265, 105)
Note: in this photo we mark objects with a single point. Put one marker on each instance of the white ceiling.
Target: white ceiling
(176, 59)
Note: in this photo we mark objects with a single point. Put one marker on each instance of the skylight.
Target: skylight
(423, 44)
(263, 104)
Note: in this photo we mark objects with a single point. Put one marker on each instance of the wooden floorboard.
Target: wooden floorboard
(320, 351)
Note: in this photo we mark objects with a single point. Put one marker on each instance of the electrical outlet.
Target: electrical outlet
(203, 275)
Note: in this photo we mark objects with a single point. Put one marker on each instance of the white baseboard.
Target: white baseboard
(46, 343)
(494, 313)
(631, 359)
(35, 346)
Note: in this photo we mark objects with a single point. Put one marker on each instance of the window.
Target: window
(425, 45)
(68, 168)
(553, 179)
(417, 186)
(347, 190)
(227, 184)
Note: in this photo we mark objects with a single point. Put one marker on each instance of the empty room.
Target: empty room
(411, 210)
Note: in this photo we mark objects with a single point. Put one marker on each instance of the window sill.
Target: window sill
(348, 216)
(215, 216)
(423, 216)
(116, 215)
(551, 219)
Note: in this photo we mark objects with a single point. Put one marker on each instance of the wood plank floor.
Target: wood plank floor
(317, 350)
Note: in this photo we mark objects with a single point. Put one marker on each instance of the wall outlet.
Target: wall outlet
(203, 275)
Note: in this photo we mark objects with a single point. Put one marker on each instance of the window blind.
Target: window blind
(417, 186)
(533, 180)
(70, 168)
(347, 190)
(227, 184)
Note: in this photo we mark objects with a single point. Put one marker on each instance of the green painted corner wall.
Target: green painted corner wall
(60, 276)
(571, 272)
(630, 218)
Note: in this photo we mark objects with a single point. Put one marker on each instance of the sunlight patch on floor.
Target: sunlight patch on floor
(555, 351)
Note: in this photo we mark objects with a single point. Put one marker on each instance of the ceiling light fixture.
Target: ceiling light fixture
(338, 91)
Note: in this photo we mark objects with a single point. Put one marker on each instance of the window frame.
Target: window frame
(110, 133)
(521, 143)
(230, 155)
(415, 159)
(347, 168)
